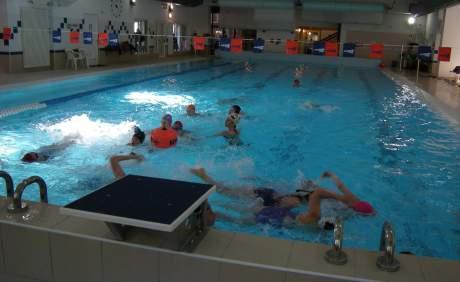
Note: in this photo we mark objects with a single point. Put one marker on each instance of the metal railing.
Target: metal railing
(18, 205)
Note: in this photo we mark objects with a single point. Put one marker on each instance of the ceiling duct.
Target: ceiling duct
(187, 3)
(423, 7)
(363, 6)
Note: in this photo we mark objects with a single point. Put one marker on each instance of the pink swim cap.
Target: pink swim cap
(363, 207)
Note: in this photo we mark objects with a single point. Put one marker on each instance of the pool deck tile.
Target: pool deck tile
(410, 268)
(215, 243)
(38, 215)
(436, 270)
(257, 249)
(310, 257)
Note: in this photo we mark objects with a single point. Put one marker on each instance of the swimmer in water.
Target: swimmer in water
(118, 173)
(232, 134)
(313, 215)
(137, 138)
(299, 72)
(247, 66)
(234, 114)
(269, 207)
(322, 108)
(296, 83)
(178, 126)
(45, 153)
(276, 209)
(191, 111)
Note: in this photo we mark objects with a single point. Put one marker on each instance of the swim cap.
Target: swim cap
(167, 118)
(363, 207)
(30, 157)
(191, 107)
(178, 125)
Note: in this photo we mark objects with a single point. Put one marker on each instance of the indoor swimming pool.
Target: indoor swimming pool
(382, 139)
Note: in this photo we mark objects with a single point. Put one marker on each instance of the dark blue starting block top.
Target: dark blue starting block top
(140, 201)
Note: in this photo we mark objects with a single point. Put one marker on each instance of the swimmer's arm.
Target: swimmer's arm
(117, 170)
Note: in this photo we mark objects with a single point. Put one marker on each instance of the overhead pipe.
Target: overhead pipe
(315, 5)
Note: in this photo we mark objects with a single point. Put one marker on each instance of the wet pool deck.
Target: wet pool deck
(44, 245)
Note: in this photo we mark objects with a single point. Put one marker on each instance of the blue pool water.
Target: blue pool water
(382, 139)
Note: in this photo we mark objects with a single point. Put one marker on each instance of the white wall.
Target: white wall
(451, 38)
(195, 19)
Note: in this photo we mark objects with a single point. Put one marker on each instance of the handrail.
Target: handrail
(9, 183)
(387, 262)
(18, 205)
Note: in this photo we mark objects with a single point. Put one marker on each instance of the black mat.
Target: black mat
(143, 198)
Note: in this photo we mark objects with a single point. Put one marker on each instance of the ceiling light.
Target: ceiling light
(411, 20)
(170, 15)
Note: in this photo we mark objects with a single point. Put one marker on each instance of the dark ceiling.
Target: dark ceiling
(423, 7)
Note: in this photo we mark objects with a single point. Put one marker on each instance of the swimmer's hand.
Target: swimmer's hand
(199, 171)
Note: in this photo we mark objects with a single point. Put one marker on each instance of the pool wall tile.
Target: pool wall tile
(294, 277)
(234, 272)
(26, 252)
(310, 257)
(409, 271)
(122, 263)
(14, 278)
(215, 243)
(85, 227)
(179, 268)
(76, 259)
(440, 270)
(2, 251)
(259, 249)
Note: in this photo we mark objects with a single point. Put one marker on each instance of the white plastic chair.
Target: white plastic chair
(71, 59)
(83, 57)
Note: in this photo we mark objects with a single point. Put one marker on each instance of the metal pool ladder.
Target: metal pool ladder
(387, 261)
(17, 206)
(336, 255)
(9, 184)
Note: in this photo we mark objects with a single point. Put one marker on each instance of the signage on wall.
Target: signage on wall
(103, 39)
(376, 51)
(57, 36)
(319, 48)
(236, 45)
(6, 33)
(74, 37)
(88, 38)
(199, 43)
(444, 54)
(292, 48)
(425, 53)
(259, 45)
(331, 49)
(224, 44)
(113, 40)
(349, 50)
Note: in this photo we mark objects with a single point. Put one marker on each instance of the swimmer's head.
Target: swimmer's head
(166, 121)
(235, 109)
(363, 208)
(296, 83)
(138, 137)
(191, 110)
(178, 125)
(30, 157)
(308, 185)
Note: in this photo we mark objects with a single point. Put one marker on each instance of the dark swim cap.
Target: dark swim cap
(139, 134)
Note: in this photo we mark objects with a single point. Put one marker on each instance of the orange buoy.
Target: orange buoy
(163, 138)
